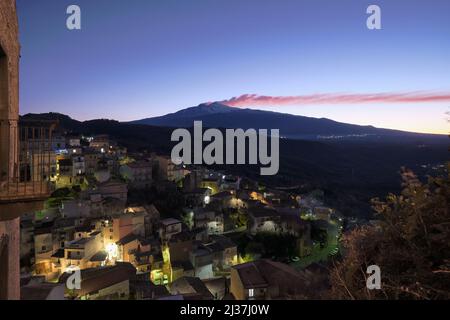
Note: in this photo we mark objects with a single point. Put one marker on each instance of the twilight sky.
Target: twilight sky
(142, 58)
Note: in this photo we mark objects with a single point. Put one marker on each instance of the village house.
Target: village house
(91, 159)
(138, 174)
(100, 143)
(191, 287)
(73, 140)
(219, 287)
(224, 252)
(144, 289)
(78, 252)
(263, 219)
(167, 170)
(43, 250)
(110, 189)
(182, 269)
(202, 260)
(76, 208)
(211, 220)
(197, 198)
(227, 200)
(103, 283)
(64, 172)
(266, 279)
(42, 291)
(168, 228)
(151, 220)
(131, 246)
(229, 183)
(181, 245)
(131, 221)
(78, 166)
(323, 213)
(74, 151)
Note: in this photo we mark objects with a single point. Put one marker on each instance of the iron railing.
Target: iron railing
(33, 165)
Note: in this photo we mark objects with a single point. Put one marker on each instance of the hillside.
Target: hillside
(350, 172)
(217, 115)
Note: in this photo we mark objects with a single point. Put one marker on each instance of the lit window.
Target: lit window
(251, 293)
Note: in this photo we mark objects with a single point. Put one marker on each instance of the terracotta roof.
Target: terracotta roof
(148, 290)
(127, 239)
(99, 256)
(190, 286)
(170, 221)
(38, 291)
(250, 275)
(95, 279)
(265, 272)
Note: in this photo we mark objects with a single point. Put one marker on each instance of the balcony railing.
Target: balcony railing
(29, 179)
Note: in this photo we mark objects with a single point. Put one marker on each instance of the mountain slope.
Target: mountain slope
(291, 126)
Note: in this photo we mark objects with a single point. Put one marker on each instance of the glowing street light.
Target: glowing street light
(112, 251)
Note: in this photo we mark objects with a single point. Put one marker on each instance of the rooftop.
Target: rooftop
(250, 275)
(95, 279)
(265, 272)
(189, 286)
(99, 256)
(38, 291)
(169, 221)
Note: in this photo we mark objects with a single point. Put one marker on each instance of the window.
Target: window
(251, 293)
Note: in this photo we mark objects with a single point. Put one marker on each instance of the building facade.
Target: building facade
(21, 190)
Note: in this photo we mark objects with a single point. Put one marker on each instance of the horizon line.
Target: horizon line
(208, 103)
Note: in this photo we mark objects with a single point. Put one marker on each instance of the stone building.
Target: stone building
(21, 191)
(9, 113)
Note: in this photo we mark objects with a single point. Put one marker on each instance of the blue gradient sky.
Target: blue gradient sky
(142, 58)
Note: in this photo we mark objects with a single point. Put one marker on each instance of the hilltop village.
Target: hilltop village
(137, 226)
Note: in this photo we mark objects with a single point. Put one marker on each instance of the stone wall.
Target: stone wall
(9, 112)
(10, 229)
(9, 35)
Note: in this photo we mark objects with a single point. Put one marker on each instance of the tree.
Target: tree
(411, 245)
(239, 217)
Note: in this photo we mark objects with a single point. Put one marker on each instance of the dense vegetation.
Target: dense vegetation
(411, 246)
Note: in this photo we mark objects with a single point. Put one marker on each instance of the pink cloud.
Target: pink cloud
(328, 98)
